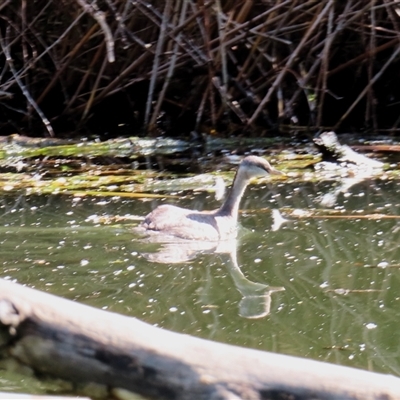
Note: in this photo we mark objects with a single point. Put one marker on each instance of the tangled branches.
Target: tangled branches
(119, 66)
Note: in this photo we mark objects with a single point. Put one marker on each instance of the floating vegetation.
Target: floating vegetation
(137, 167)
(337, 214)
(349, 291)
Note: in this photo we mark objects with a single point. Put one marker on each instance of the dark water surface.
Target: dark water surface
(340, 273)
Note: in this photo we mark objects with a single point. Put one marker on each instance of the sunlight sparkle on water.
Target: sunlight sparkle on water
(383, 264)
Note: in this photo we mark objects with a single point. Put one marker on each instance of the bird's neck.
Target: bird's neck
(231, 205)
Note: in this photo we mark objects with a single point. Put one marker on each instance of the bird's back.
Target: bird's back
(185, 224)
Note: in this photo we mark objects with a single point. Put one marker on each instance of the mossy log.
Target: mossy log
(64, 339)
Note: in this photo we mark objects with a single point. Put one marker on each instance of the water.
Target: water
(339, 272)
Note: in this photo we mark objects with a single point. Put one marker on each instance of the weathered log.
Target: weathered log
(19, 396)
(64, 339)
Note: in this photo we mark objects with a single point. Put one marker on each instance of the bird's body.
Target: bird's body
(220, 224)
(190, 224)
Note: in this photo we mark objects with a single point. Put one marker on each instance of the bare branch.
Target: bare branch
(24, 90)
(98, 15)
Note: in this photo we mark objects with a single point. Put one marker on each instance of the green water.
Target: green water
(341, 275)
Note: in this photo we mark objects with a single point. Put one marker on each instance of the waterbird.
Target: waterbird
(215, 225)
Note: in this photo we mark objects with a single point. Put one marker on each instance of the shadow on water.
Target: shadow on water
(340, 270)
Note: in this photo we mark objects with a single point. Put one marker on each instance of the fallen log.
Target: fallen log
(81, 344)
(18, 396)
(391, 148)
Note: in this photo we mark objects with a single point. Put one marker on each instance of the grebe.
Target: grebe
(220, 224)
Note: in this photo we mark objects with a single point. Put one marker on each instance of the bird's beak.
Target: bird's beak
(276, 172)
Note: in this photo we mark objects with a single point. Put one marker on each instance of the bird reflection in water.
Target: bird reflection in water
(256, 297)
